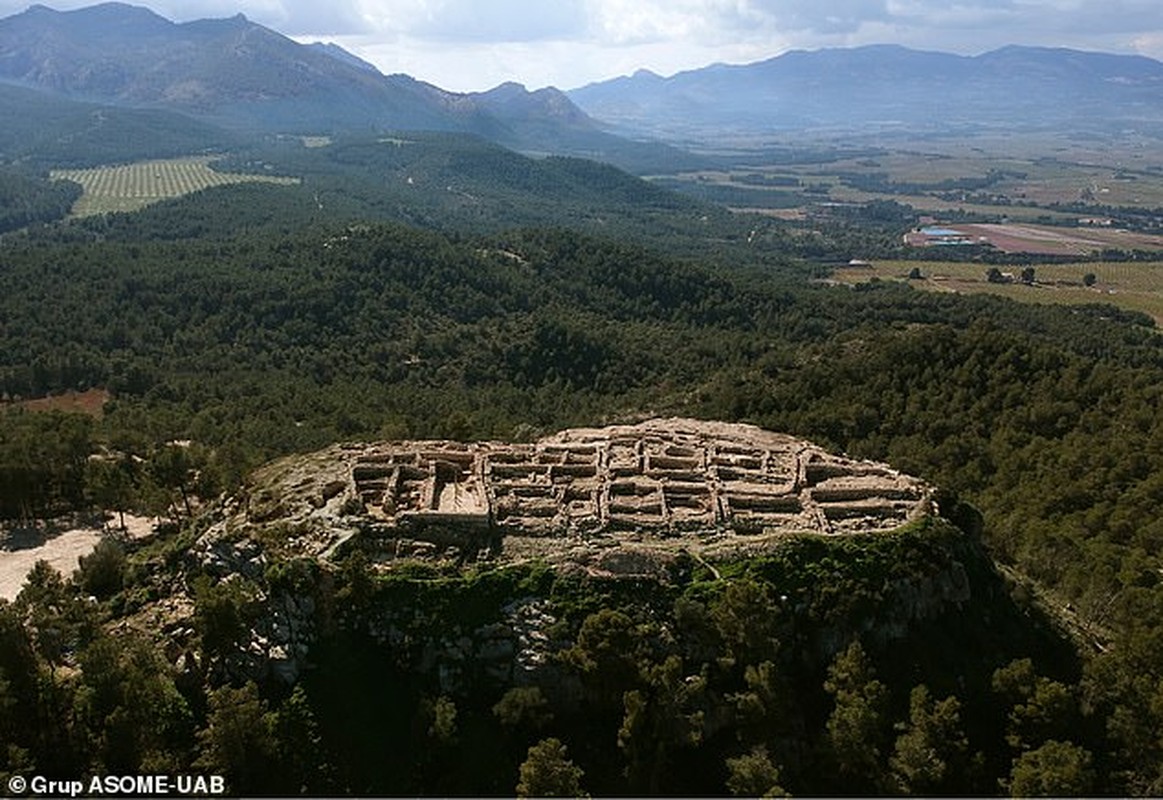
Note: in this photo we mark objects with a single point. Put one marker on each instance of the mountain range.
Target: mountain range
(886, 87)
(243, 77)
(229, 77)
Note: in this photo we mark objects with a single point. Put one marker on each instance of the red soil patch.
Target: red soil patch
(91, 402)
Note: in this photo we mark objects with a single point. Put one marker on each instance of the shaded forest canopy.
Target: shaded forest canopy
(507, 298)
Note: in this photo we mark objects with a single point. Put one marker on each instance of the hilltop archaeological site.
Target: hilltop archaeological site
(607, 498)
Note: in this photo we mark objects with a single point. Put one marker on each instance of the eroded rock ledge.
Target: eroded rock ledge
(611, 499)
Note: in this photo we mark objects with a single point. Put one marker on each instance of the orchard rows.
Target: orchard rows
(131, 186)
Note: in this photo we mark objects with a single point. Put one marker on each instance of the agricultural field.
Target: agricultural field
(1134, 286)
(1016, 177)
(129, 187)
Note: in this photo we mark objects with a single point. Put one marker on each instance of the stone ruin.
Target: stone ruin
(668, 481)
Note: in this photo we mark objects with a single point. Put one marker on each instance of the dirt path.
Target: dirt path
(62, 549)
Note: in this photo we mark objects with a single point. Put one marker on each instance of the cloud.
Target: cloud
(495, 21)
(841, 16)
(633, 22)
(629, 23)
(291, 17)
(1150, 45)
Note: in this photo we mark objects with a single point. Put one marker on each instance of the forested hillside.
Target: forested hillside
(259, 321)
(27, 199)
(47, 130)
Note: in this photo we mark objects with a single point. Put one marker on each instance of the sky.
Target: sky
(473, 45)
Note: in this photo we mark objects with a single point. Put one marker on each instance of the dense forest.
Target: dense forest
(28, 199)
(255, 321)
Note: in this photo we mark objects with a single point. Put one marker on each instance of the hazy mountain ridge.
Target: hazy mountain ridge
(239, 75)
(885, 86)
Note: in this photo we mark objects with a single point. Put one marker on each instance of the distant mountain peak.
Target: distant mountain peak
(108, 10)
(98, 20)
(507, 89)
(513, 100)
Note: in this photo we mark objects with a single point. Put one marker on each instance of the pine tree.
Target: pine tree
(930, 745)
(547, 772)
(856, 727)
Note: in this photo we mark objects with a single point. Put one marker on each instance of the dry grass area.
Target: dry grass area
(1135, 286)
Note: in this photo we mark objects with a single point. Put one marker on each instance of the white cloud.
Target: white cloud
(1150, 45)
(466, 20)
(633, 22)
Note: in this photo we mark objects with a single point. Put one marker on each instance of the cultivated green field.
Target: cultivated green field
(1135, 286)
(129, 187)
